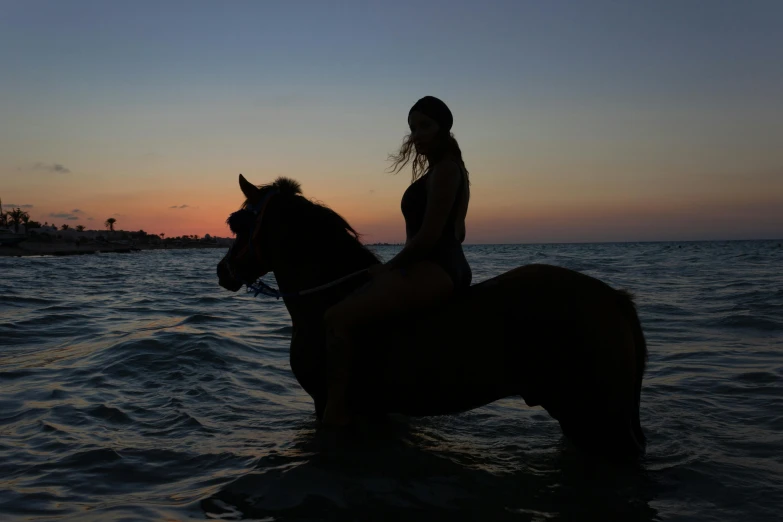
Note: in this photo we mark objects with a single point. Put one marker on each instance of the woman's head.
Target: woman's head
(430, 137)
(430, 121)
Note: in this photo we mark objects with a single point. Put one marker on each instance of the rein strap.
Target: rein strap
(259, 287)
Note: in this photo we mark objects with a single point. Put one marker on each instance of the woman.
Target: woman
(432, 265)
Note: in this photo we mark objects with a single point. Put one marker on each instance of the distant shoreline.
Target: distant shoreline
(33, 248)
(57, 248)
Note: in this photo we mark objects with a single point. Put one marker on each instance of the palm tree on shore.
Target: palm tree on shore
(16, 217)
(80, 228)
(110, 224)
(65, 227)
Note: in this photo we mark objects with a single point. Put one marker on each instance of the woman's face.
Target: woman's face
(424, 131)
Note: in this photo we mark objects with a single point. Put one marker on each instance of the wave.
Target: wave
(749, 322)
(153, 394)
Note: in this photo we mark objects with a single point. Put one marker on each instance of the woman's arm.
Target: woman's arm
(441, 191)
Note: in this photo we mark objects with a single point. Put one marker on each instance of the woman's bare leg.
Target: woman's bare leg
(389, 294)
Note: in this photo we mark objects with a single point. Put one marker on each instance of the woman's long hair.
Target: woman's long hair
(407, 154)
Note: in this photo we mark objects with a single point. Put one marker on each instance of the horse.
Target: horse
(555, 337)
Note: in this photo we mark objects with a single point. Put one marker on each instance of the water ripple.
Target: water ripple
(133, 387)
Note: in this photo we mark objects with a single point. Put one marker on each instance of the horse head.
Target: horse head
(278, 230)
(251, 256)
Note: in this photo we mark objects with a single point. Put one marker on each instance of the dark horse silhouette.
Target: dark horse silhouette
(556, 337)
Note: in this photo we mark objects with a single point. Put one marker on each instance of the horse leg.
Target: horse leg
(609, 423)
(628, 309)
(584, 370)
(307, 359)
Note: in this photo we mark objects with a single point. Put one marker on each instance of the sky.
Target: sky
(578, 121)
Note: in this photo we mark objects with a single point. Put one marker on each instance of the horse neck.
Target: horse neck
(307, 269)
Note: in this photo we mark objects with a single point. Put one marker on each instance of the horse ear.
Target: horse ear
(248, 189)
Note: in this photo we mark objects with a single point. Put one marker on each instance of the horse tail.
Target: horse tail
(628, 308)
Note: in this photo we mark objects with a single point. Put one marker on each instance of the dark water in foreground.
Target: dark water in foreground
(132, 387)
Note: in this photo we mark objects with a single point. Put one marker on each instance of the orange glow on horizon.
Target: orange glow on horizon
(507, 210)
(378, 219)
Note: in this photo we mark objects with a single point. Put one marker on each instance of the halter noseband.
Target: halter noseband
(257, 210)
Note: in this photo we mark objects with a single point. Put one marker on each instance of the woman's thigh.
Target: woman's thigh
(420, 286)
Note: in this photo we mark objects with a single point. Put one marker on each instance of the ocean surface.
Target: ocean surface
(133, 387)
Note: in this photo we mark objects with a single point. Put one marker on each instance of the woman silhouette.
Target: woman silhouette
(432, 266)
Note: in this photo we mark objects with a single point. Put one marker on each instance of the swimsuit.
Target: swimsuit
(447, 252)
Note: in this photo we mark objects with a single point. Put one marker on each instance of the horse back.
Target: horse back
(536, 331)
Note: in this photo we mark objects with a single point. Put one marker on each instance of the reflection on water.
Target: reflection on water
(399, 470)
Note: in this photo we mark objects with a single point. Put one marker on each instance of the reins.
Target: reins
(259, 287)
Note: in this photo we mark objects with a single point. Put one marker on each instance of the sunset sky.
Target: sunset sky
(579, 121)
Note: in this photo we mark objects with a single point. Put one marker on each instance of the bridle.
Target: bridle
(259, 287)
(258, 211)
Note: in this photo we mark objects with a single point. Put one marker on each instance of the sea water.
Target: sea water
(133, 387)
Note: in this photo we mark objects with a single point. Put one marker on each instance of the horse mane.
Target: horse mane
(314, 220)
(286, 186)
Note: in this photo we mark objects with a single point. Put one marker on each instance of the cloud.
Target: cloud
(90, 219)
(119, 215)
(181, 206)
(14, 205)
(54, 167)
(71, 216)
